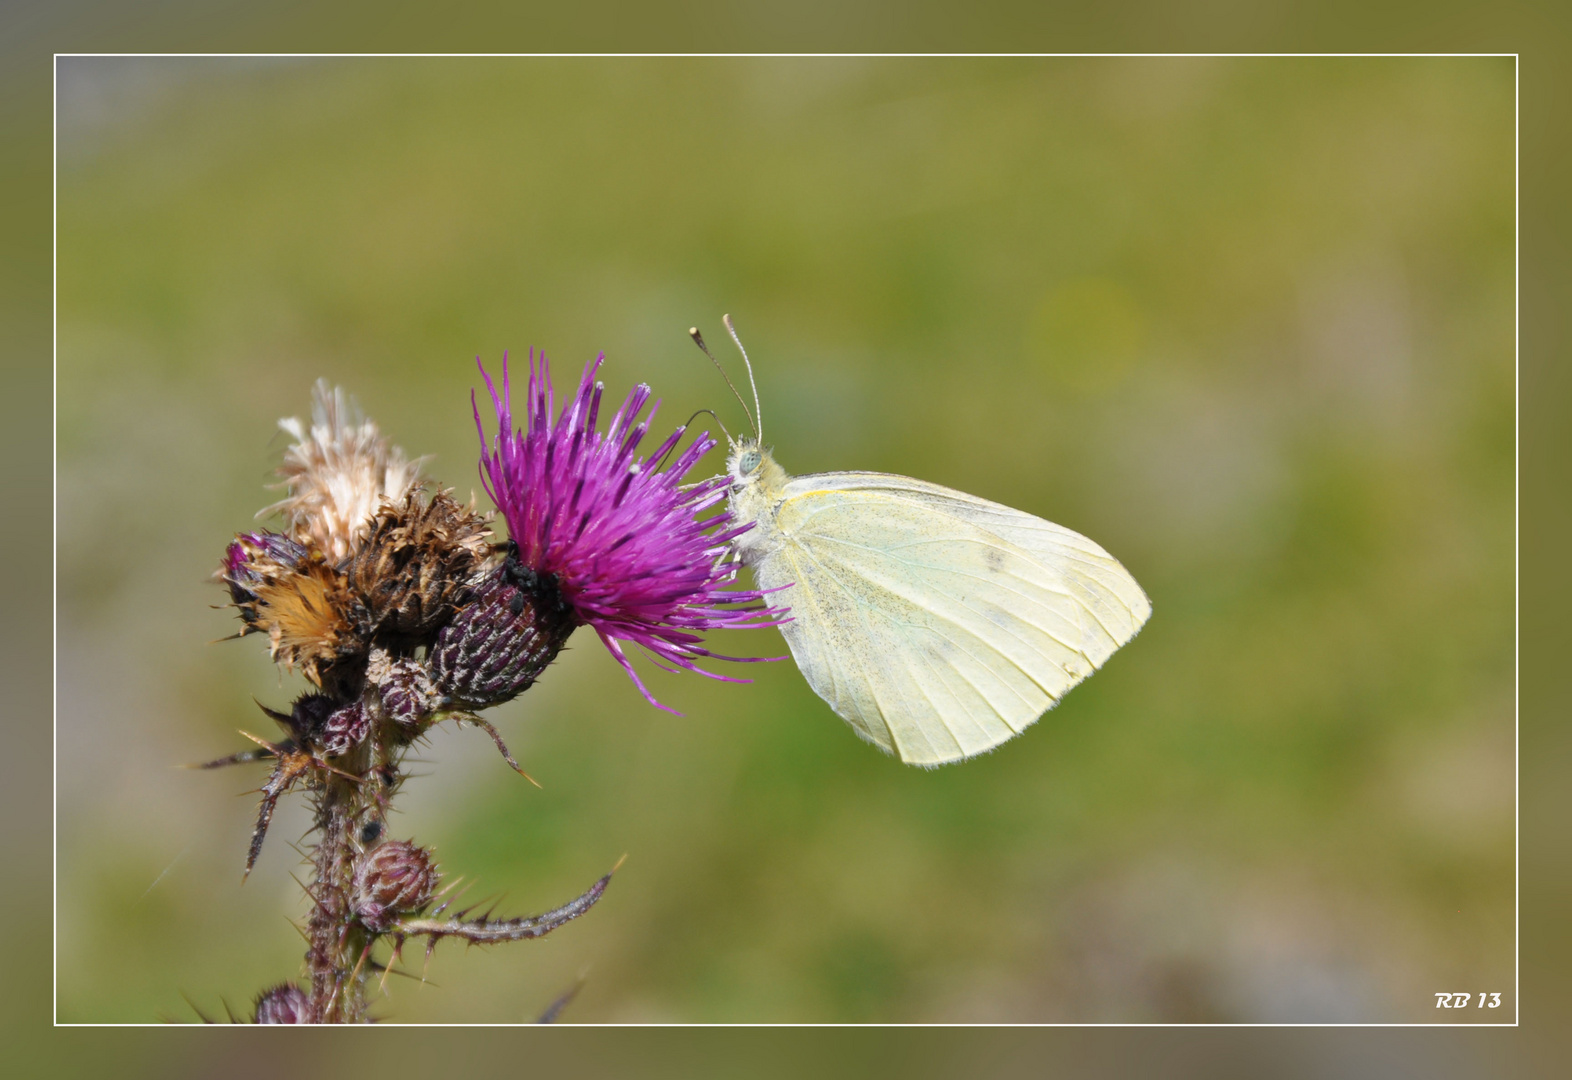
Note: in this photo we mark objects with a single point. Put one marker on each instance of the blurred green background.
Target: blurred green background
(1246, 323)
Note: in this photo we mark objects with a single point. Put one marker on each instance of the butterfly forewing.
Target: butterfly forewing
(1086, 570)
(937, 624)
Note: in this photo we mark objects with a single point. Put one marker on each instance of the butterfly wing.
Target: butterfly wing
(936, 623)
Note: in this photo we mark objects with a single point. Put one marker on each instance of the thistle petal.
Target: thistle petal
(619, 534)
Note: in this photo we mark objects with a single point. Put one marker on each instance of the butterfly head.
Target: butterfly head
(748, 462)
(745, 459)
(756, 481)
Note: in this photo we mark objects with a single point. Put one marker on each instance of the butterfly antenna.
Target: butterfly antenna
(698, 339)
(717, 419)
(660, 462)
(758, 425)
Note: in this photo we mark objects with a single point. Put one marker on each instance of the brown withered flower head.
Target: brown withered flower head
(367, 556)
(299, 600)
(414, 567)
(369, 567)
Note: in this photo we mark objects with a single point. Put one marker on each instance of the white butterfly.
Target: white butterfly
(936, 623)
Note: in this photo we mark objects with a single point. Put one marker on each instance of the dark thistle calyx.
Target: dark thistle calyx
(305, 717)
(545, 589)
(498, 645)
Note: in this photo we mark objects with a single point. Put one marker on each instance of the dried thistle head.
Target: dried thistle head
(301, 602)
(415, 565)
(254, 560)
(338, 474)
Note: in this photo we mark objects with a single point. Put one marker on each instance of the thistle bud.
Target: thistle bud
(285, 1003)
(497, 646)
(407, 695)
(306, 716)
(344, 728)
(391, 879)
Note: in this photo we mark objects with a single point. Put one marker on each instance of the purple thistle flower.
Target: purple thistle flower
(619, 535)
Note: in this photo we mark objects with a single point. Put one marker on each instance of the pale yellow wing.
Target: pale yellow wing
(936, 623)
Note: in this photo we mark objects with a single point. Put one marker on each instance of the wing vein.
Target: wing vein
(917, 601)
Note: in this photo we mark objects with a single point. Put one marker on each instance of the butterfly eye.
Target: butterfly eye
(748, 462)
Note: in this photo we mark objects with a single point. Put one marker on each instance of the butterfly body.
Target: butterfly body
(937, 624)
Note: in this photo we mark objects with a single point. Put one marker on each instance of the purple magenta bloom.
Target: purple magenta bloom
(620, 535)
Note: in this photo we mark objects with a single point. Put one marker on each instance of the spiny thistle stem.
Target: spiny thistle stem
(336, 940)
